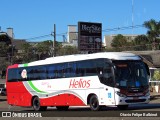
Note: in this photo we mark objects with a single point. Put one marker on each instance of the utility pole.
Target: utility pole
(132, 17)
(54, 41)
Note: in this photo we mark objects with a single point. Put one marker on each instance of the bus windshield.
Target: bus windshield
(130, 74)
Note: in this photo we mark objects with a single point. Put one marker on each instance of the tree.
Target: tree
(4, 64)
(68, 50)
(156, 75)
(153, 31)
(44, 49)
(141, 42)
(3, 49)
(58, 48)
(28, 53)
(5, 38)
(119, 41)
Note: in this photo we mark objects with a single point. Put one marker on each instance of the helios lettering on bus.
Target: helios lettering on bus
(46, 84)
(79, 83)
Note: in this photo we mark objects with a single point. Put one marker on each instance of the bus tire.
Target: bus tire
(36, 105)
(122, 107)
(94, 103)
(43, 108)
(62, 108)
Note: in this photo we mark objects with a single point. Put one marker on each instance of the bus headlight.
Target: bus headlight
(120, 94)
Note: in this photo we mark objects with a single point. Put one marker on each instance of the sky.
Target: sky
(34, 18)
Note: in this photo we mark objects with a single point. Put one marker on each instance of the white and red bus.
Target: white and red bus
(99, 79)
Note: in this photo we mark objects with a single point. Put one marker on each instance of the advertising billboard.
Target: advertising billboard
(89, 36)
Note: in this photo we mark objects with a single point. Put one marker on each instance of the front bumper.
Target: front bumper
(132, 100)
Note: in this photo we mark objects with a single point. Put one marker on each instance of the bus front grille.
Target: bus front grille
(135, 101)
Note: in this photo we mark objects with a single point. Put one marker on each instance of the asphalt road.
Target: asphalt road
(80, 113)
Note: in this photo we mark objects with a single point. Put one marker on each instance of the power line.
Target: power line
(105, 30)
(61, 34)
(43, 36)
(122, 28)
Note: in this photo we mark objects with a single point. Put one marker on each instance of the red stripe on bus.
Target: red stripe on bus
(62, 100)
(17, 94)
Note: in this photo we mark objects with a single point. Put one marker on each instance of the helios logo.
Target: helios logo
(24, 73)
(79, 83)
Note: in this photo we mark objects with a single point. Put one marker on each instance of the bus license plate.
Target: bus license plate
(135, 98)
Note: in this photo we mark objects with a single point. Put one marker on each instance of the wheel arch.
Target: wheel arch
(32, 99)
(89, 96)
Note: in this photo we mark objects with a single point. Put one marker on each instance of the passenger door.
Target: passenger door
(106, 76)
(109, 82)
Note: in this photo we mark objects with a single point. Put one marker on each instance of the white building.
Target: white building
(72, 33)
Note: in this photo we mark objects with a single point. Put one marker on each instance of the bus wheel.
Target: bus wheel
(43, 108)
(62, 108)
(122, 107)
(94, 103)
(36, 105)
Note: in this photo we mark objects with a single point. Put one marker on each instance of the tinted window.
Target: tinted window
(130, 74)
(40, 73)
(108, 74)
(99, 65)
(30, 73)
(36, 73)
(51, 72)
(13, 75)
(90, 68)
(62, 70)
(105, 72)
(70, 69)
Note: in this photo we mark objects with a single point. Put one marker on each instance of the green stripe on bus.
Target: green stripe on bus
(25, 65)
(34, 88)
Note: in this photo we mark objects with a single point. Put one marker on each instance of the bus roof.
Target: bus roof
(78, 57)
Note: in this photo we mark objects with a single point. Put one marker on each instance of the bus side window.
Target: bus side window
(105, 72)
(41, 72)
(90, 67)
(51, 72)
(70, 69)
(147, 69)
(60, 70)
(13, 75)
(80, 69)
(99, 66)
(20, 77)
(30, 73)
(108, 75)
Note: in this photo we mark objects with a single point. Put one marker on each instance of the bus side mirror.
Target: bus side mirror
(147, 69)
